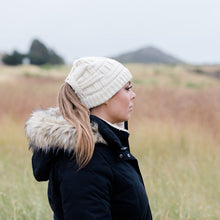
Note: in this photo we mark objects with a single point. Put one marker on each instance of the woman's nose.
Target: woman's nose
(133, 95)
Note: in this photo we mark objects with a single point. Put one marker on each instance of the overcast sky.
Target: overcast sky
(188, 29)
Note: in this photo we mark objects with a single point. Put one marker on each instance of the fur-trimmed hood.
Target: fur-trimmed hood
(46, 129)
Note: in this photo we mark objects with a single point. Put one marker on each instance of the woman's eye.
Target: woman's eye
(128, 88)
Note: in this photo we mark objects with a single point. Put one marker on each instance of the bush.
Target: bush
(14, 59)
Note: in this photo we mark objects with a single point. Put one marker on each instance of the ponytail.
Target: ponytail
(78, 115)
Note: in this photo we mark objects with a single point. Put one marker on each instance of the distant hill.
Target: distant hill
(147, 55)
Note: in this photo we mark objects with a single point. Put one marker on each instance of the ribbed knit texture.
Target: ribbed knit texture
(96, 79)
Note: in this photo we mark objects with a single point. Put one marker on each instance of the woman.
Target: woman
(82, 146)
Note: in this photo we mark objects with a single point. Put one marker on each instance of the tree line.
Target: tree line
(38, 54)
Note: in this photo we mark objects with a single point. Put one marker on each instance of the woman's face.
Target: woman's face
(119, 107)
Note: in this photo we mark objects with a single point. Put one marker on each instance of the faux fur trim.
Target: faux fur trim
(47, 129)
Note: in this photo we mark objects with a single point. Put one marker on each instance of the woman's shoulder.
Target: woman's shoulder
(103, 152)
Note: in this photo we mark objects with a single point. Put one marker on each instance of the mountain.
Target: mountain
(147, 55)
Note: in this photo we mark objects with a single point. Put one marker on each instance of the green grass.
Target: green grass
(21, 197)
(180, 168)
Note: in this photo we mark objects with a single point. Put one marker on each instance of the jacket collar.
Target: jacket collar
(115, 137)
(47, 129)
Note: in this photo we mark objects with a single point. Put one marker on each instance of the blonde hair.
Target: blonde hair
(78, 115)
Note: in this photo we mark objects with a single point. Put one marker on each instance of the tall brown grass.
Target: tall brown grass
(181, 106)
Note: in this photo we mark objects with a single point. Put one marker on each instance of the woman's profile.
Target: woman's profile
(82, 146)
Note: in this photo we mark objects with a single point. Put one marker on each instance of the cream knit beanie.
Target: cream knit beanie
(96, 79)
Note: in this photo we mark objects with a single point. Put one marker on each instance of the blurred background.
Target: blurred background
(188, 29)
(173, 51)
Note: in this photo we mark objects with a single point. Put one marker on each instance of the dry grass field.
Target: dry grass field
(174, 134)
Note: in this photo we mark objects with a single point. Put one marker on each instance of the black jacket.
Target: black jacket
(110, 187)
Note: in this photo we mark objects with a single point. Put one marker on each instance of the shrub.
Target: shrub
(14, 59)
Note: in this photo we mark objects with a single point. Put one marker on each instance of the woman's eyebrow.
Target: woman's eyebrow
(127, 84)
